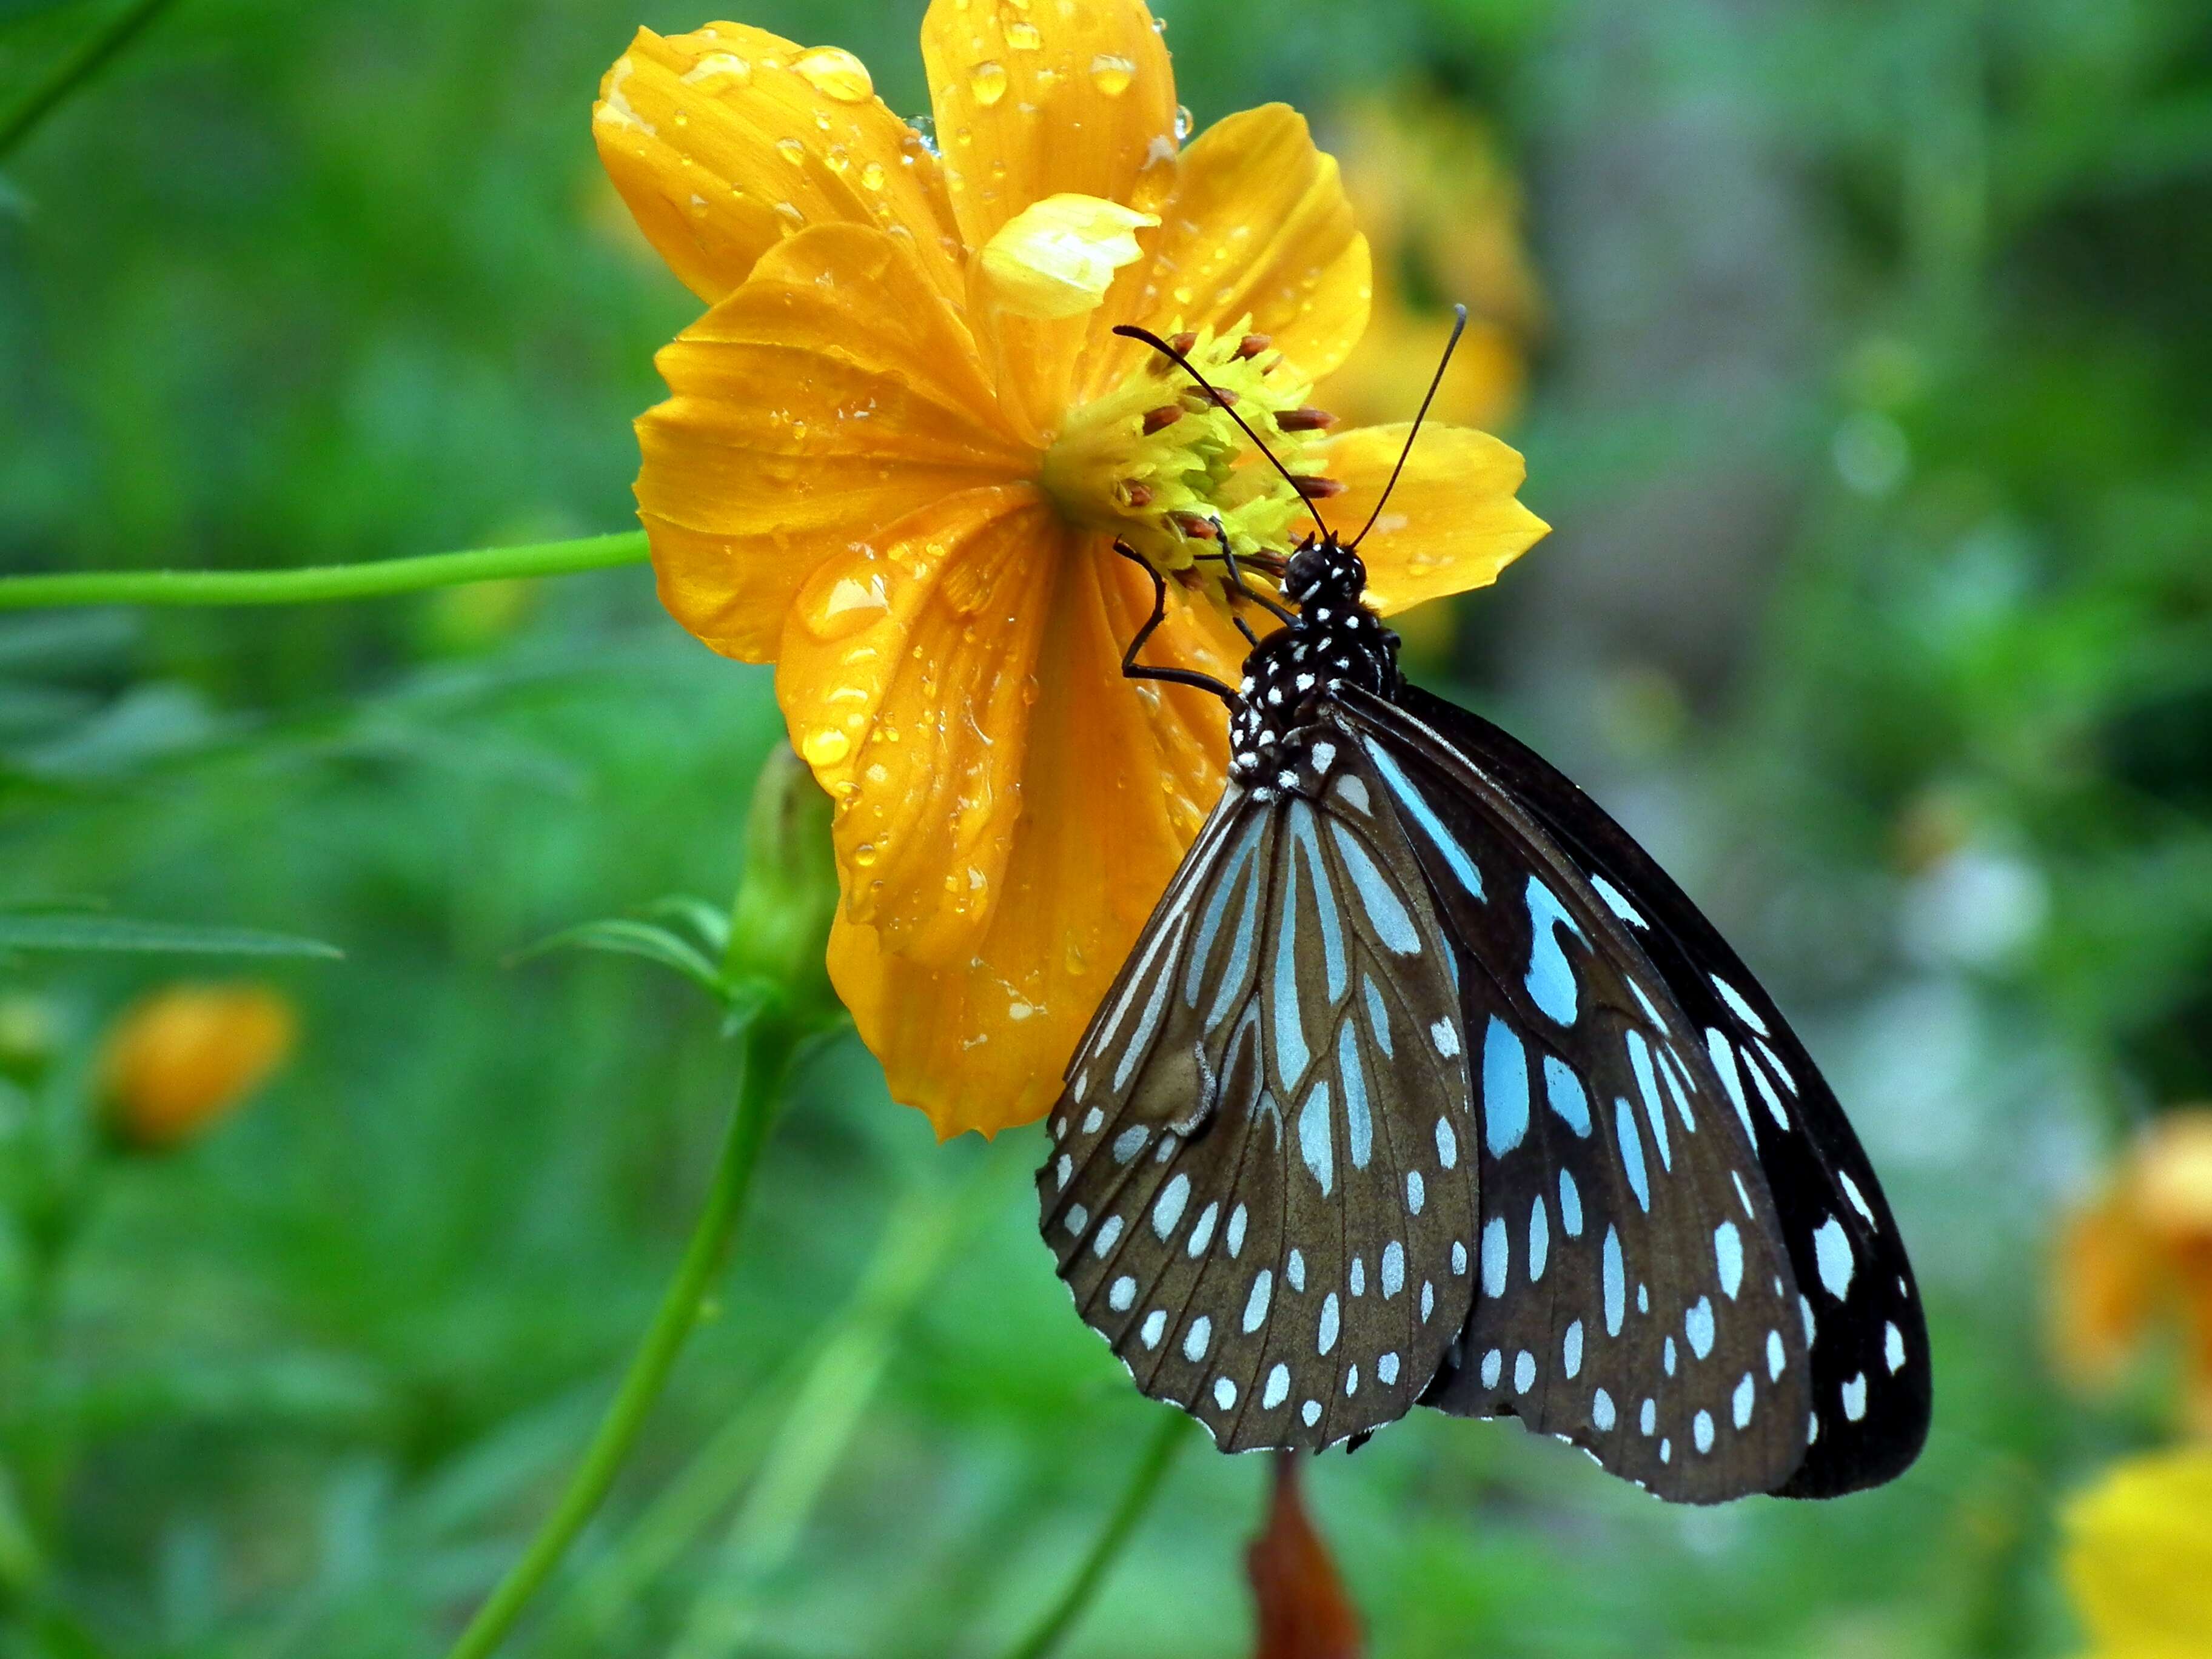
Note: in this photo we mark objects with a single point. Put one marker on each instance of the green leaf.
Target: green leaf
(27, 931)
(619, 936)
(711, 921)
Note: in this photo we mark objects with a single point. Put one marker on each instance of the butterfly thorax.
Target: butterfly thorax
(1334, 640)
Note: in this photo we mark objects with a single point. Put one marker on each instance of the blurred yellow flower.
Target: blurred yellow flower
(903, 443)
(2138, 1557)
(1443, 212)
(185, 1057)
(2141, 1253)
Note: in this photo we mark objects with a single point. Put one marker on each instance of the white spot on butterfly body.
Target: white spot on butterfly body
(1698, 1326)
(1386, 1369)
(1445, 1038)
(1196, 1339)
(1724, 1059)
(1701, 1428)
(1311, 1412)
(1855, 1396)
(1632, 1153)
(1279, 1388)
(1857, 1198)
(1295, 1270)
(1168, 1209)
(1892, 1347)
(1459, 1255)
(1496, 1257)
(1564, 1090)
(1613, 902)
(1202, 1234)
(1775, 1355)
(1667, 1356)
(1093, 1122)
(1107, 1236)
(1416, 1192)
(1359, 1277)
(1741, 1404)
(1154, 1326)
(1063, 1171)
(1447, 1144)
(1601, 1417)
(1540, 1241)
(1124, 1295)
(1313, 1139)
(1743, 1010)
(1225, 1393)
(1328, 1323)
(1385, 913)
(1728, 1252)
(1616, 1284)
(1570, 1204)
(1831, 1250)
(1129, 1143)
(1256, 1305)
(1236, 1219)
(1394, 1269)
(1571, 1350)
(1322, 755)
(1078, 1219)
(1524, 1372)
(1428, 1298)
(1493, 1367)
(1350, 1381)
(1648, 1418)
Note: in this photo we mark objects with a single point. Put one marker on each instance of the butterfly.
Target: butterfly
(1425, 1084)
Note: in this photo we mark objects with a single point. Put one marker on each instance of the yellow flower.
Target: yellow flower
(904, 441)
(2138, 1557)
(182, 1059)
(2141, 1253)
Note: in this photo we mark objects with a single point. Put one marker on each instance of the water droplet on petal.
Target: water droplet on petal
(1112, 73)
(872, 175)
(1024, 36)
(987, 82)
(835, 73)
(826, 747)
(864, 854)
(790, 149)
(839, 158)
(718, 71)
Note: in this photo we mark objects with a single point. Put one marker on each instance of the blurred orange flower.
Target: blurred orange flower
(2138, 1557)
(1443, 214)
(903, 443)
(184, 1057)
(2143, 1254)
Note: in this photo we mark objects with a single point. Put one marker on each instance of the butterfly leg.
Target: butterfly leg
(1238, 589)
(1131, 668)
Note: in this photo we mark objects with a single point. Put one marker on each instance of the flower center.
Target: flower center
(1161, 467)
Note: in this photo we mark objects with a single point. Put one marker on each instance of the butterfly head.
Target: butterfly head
(1334, 641)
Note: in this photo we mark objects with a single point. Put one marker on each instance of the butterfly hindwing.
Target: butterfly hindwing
(1257, 1192)
(1838, 1355)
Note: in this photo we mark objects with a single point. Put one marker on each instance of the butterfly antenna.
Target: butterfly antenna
(1130, 331)
(1458, 327)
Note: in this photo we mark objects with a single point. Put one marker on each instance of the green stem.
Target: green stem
(770, 1042)
(373, 579)
(75, 69)
(1144, 1485)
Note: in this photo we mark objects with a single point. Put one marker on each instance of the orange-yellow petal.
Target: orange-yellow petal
(727, 140)
(2138, 1556)
(831, 395)
(1038, 101)
(1117, 778)
(906, 676)
(1452, 523)
(1258, 225)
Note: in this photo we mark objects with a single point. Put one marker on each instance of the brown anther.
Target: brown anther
(1308, 419)
(1197, 529)
(1160, 419)
(1197, 398)
(1318, 489)
(1137, 494)
(1163, 364)
(1184, 343)
(1253, 344)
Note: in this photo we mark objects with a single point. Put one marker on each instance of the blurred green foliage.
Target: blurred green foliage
(290, 285)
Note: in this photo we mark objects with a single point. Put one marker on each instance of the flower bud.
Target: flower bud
(180, 1060)
(780, 926)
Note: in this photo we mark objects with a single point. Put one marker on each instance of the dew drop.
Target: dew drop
(790, 149)
(835, 73)
(839, 158)
(872, 175)
(1024, 36)
(864, 854)
(987, 80)
(1182, 121)
(718, 71)
(826, 746)
(1111, 73)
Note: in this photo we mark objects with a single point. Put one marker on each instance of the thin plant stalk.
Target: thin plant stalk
(373, 578)
(74, 69)
(1151, 1470)
(770, 1043)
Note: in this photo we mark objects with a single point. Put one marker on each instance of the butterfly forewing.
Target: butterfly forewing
(1257, 1192)
(1758, 1180)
